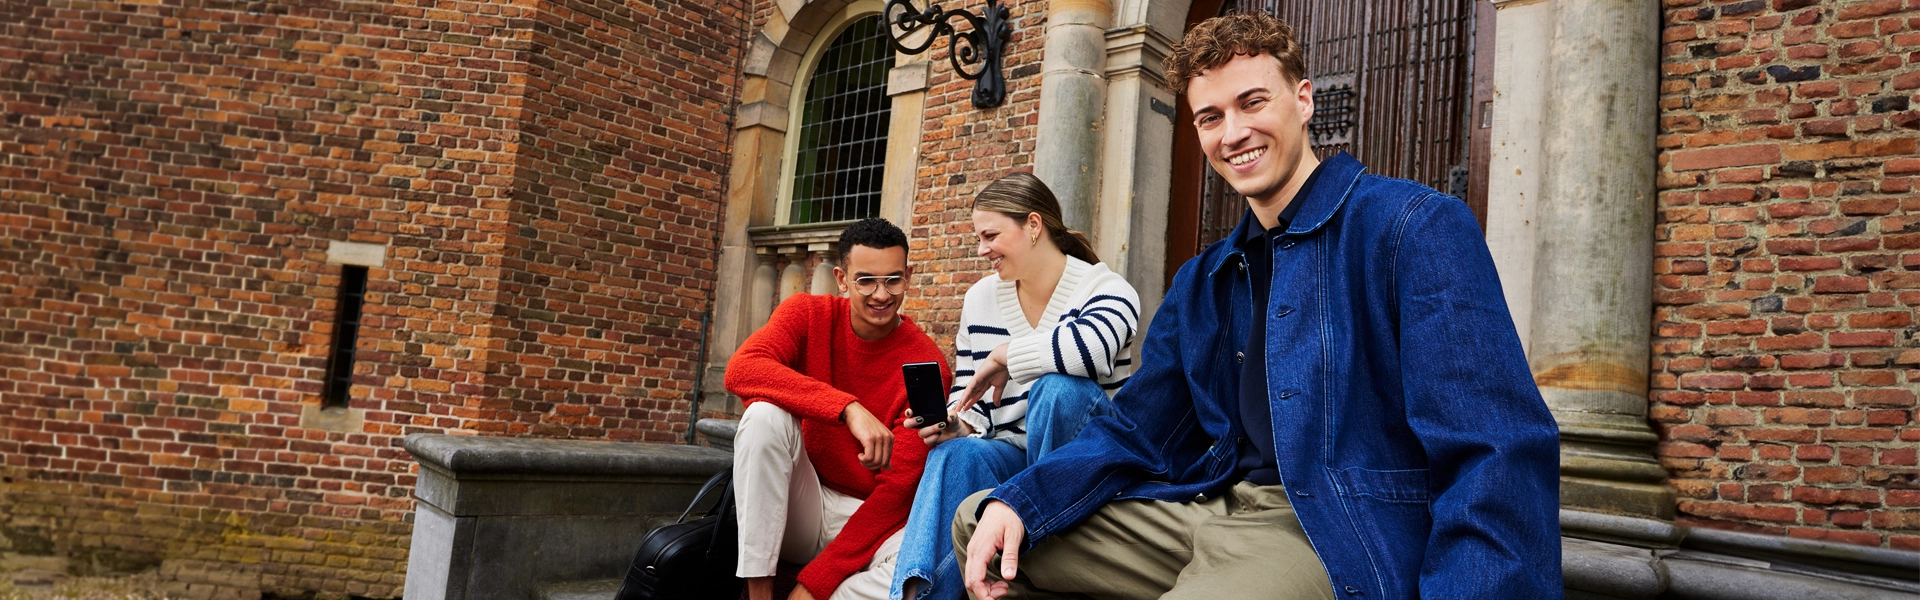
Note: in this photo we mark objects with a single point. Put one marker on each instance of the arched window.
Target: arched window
(839, 156)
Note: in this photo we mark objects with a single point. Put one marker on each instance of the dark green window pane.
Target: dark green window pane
(842, 147)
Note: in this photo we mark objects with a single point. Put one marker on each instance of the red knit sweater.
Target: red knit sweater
(808, 361)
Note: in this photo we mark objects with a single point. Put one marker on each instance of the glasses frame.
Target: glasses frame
(871, 284)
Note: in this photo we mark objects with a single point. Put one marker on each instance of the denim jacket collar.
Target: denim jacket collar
(1337, 177)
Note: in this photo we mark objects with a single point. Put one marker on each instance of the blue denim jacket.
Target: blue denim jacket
(1410, 437)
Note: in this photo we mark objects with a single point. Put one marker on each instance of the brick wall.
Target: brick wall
(1787, 352)
(546, 178)
(962, 149)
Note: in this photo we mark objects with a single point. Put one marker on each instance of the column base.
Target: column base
(1607, 466)
(1644, 500)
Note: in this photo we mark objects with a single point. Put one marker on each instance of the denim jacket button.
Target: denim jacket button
(1199, 497)
(1351, 590)
(1239, 357)
(1303, 493)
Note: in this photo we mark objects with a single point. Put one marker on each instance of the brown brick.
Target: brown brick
(1730, 156)
(1851, 149)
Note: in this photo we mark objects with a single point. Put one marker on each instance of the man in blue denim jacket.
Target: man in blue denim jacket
(1332, 402)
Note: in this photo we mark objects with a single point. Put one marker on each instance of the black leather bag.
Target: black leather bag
(690, 559)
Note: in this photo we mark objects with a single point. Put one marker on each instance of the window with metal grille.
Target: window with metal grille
(346, 331)
(842, 149)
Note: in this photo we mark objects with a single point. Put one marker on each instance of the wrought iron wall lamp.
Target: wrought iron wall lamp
(979, 47)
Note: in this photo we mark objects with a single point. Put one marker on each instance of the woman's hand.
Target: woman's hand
(938, 433)
(988, 373)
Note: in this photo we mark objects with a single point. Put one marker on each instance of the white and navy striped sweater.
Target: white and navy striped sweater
(1085, 331)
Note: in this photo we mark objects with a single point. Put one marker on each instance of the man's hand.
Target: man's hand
(1000, 530)
(935, 434)
(988, 373)
(876, 441)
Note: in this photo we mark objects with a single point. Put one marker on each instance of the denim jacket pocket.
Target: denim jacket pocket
(1412, 486)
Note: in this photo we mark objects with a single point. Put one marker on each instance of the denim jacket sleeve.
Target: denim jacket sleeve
(1472, 402)
(1113, 452)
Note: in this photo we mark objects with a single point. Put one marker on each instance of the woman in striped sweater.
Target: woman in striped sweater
(1043, 343)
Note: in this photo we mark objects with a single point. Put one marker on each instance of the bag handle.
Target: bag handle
(724, 477)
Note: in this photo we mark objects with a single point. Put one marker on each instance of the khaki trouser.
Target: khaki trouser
(1247, 544)
(785, 513)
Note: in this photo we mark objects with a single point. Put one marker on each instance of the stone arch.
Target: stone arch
(761, 261)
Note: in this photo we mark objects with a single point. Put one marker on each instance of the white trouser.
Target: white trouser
(775, 489)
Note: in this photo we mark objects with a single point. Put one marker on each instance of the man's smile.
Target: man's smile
(1246, 158)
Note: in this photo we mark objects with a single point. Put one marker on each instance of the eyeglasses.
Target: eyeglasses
(895, 284)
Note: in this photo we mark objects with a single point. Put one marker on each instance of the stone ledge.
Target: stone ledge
(470, 455)
(1609, 556)
(500, 517)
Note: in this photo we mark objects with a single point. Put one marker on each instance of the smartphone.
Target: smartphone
(925, 393)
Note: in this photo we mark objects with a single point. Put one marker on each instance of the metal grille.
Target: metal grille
(1390, 87)
(842, 150)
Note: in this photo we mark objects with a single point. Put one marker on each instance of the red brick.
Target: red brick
(1863, 338)
(1867, 9)
(1801, 341)
(1839, 285)
(1811, 263)
(1855, 434)
(1884, 397)
(1830, 474)
(1730, 156)
(1814, 453)
(1852, 149)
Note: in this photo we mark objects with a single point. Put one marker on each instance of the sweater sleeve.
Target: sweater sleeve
(763, 370)
(975, 417)
(1088, 339)
(884, 512)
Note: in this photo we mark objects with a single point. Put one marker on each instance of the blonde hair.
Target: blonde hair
(1019, 194)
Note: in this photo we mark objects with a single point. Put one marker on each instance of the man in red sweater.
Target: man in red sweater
(820, 474)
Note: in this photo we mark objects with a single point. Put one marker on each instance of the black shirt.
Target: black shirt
(1258, 463)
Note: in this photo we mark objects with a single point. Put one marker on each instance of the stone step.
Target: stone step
(597, 589)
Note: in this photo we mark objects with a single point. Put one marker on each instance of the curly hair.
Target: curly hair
(1216, 41)
(878, 234)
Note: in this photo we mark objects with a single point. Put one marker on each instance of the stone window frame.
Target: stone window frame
(796, 99)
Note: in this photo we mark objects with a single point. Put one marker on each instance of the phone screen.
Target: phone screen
(925, 394)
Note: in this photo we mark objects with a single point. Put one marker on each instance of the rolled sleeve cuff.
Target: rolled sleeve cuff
(1028, 358)
(1023, 507)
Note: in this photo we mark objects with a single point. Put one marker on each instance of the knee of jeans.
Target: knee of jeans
(966, 450)
(1062, 390)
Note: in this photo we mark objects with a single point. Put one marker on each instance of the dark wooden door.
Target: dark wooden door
(1397, 83)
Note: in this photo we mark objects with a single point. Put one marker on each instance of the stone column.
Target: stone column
(763, 287)
(1130, 224)
(1072, 97)
(823, 284)
(1571, 209)
(793, 279)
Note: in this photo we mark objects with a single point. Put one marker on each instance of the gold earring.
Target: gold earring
(1033, 240)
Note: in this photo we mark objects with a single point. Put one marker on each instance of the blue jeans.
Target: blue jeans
(1057, 407)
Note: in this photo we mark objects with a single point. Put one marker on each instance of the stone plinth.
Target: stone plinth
(498, 517)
